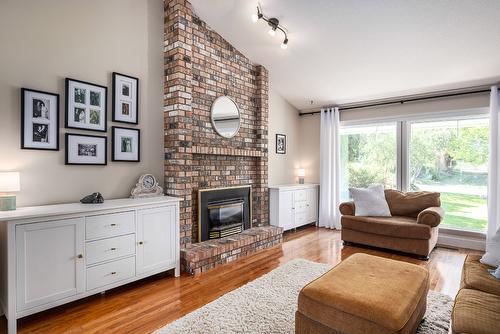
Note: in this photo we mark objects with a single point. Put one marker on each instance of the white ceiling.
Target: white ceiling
(348, 51)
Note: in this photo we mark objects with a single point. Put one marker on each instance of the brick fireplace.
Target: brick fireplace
(200, 66)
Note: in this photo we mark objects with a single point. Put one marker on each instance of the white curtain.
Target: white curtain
(329, 190)
(494, 169)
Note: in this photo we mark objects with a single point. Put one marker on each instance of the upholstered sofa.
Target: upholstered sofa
(412, 227)
(477, 304)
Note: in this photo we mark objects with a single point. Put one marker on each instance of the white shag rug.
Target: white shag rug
(268, 305)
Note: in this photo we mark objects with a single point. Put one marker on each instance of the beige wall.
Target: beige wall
(284, 119)
(45, 41)
(309, 147)
(310, 125)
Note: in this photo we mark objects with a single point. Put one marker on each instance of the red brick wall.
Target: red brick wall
(199, 67)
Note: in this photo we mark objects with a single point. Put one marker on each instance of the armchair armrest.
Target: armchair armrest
(431, 216)
(347, 208)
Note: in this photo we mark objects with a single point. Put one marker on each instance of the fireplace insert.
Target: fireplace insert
(225, 218)
(224, 211)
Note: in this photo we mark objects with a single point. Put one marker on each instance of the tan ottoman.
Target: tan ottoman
(364, 294)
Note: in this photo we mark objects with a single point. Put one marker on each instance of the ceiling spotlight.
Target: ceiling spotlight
(274, 23)
(284, 45)
(258, 16)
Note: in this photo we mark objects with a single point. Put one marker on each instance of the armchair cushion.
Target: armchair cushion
(398, 227)
(410, 204)
(431, 216)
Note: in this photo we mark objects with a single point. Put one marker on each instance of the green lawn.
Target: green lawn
(464, 211)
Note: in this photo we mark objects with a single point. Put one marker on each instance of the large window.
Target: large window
(449, 156)
(368, 156)
(452, 157)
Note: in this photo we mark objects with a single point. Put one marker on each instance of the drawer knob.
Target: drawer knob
(113, 248)
(113, 273)
(141, 242)
(80, 256)
(114, 224)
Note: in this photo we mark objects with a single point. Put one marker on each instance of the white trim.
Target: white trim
(405, 156)
(461, 239)
(399, 154)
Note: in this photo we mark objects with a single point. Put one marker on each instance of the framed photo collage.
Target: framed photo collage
(86, 109)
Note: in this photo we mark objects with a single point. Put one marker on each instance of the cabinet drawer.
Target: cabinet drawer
(300, 195)
(109, 273)
(300, 207)
(300, 219)
(111, 225)
(109, 249)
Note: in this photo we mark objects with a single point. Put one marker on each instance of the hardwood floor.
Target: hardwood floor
(145, 306)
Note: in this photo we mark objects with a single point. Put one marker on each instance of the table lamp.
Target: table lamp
(9, 183)
(301, 173)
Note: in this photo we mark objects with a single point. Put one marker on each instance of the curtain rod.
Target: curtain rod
(406, 99)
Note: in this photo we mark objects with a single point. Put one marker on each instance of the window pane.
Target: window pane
(368, 156)
(451, 157)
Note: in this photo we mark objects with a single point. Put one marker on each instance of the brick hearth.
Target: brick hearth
(200, 257)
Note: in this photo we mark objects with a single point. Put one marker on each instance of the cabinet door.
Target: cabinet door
(287, 210)
(312, 204)
(50, 264)
(157, 235)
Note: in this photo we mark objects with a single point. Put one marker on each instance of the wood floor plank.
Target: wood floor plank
(144, 306)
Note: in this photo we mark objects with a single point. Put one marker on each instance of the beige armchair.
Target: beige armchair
(412, 228)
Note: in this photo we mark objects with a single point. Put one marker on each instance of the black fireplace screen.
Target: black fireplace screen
(223, 212)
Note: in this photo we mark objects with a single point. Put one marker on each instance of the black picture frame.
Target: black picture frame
(66, 158)
(24, 143)
(113, 144)
(115, 112)
(67, 103)
(280, 143)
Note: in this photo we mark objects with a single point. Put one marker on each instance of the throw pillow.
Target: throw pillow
(370, 201)
(492, 255)
(495, 273)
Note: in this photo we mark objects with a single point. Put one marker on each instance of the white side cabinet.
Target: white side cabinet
(292, 206)
(52, 255)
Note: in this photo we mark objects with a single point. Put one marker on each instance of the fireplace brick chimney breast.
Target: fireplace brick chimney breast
(199, 67)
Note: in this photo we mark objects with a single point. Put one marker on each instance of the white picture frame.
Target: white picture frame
(125, 98)
(86, 106)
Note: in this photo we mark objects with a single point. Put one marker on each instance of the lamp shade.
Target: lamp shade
(301, 172)
(10, 182)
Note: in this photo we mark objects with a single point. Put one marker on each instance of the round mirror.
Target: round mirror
(225, 117)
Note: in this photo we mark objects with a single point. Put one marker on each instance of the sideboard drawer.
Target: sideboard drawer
(109, 273)
(300, 207)
(300, 219)
(110, 225)
(109, 249)
(300, 195)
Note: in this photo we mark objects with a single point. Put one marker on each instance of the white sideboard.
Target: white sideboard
(293, 205)
(51, 255)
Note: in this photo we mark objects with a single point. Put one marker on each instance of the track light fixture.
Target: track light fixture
(274, 23)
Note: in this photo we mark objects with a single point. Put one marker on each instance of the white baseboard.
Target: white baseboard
(461, 239)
